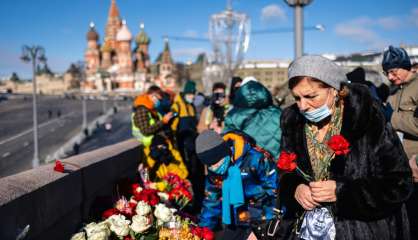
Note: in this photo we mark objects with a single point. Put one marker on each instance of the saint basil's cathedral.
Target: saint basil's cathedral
(115, 67)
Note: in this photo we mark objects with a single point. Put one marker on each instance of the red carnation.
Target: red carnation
(109, 212)
(339, 145)
(207, 234)
(59, 167)
(149, 196)
(197, 231)
(287, 161)
(134, 187)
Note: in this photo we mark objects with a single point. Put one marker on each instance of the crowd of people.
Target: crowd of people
(338, 163)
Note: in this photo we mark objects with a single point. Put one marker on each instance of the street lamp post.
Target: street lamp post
(33, 54)
(298, 23)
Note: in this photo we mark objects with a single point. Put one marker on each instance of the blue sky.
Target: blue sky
(61, 25)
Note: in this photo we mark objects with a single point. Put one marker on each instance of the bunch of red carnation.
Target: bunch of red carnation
(203, 233)
(149, 196)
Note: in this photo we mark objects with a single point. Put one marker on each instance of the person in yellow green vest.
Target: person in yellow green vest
(149, 124)
(185, 129)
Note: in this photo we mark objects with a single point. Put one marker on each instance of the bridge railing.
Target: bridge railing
(54, 205)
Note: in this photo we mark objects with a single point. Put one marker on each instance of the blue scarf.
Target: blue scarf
(232, 191)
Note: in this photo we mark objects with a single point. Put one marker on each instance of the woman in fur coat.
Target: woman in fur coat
(352, 177)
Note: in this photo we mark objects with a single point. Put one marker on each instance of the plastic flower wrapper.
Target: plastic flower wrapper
(119, 225)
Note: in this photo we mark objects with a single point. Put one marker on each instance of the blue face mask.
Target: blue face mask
(157, 104)
(318, 114)
(221, 170)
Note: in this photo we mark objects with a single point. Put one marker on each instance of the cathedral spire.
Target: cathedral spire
(113, 25)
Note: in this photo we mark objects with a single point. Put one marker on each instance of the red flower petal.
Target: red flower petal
(339, 145)
(59, 167)
(287, 162)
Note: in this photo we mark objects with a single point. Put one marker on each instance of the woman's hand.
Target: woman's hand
(323, 191)
(304, 197)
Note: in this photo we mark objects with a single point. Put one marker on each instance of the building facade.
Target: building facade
(271, 73)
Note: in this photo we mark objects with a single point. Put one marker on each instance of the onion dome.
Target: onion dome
(142, 37)
(92, 35)
(124, 34)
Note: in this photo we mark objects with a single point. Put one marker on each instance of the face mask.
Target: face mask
(318, 114)
(189, 99)
(221, 170)
(156, 101)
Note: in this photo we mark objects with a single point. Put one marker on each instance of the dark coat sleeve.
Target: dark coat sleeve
(289, 181)
(384, 190)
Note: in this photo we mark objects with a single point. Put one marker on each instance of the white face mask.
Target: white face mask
(189, 99)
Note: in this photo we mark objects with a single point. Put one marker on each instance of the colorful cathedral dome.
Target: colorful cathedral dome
(92, 35)
(124, 34)
(142, 37)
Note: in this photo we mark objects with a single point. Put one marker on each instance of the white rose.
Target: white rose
(102, 235)
(163, 213)
(142, 208)
(119, 225)
(99, 229)
(79, 236)
(140, 223)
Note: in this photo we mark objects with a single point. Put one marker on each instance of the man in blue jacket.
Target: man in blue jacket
(240, 188)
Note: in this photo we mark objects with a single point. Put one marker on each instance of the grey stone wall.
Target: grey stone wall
(55, 205)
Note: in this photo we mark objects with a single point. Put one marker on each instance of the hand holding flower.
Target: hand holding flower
(323, 191)
(303, 195)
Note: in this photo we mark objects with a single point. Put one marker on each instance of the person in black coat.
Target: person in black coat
(366, 187)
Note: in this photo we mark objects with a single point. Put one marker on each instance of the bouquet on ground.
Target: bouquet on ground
(145, 215)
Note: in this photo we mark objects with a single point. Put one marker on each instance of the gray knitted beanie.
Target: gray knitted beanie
(210, 147)
(318, 67)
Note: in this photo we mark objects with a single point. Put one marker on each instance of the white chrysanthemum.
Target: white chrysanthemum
(163, 213)
(119, 225)
(79, 236)
(142, 208)
(140, 223)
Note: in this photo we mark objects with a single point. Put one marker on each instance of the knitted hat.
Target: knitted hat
(318, 67)
(395, 58)
(189, 87)
(210, 147)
